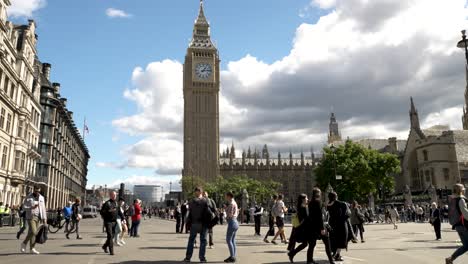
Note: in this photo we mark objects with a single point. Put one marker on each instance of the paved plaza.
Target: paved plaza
(411, 243)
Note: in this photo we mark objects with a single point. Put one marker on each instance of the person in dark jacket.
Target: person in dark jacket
(357, 220)
(198, 209)
(316, 227)
(436, 220)
(109, 213)
(212, 206)
(298, 233)
(338, 219)
(75, 218)
(178, 217)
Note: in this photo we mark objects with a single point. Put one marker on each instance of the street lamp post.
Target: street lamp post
(462, 44)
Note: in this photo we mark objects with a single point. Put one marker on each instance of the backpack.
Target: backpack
(131, 211)
(41, 236)
(455, 216)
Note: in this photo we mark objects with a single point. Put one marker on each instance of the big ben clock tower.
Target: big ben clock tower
(201, 104)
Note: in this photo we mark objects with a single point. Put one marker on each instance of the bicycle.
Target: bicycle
(57, 223)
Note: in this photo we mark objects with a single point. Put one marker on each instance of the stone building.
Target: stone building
(436, 156)
(201, 103)
(64, 155)
(20, 111)
(295, 174)
(201, 127)
(333, 130)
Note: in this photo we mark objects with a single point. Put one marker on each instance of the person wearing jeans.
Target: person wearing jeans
(232, 212)
(136, 218)
(462, 230)
(35, 215)
(197, 211)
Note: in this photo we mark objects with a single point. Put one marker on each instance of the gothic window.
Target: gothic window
(20, 128)
(6, 83)
(12, 92)
(425, 154)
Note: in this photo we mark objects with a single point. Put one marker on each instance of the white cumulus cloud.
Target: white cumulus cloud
(363, 58)
(117, 13)
(25, 8)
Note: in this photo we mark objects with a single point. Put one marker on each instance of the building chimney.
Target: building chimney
(56, 87)
(392, 143)
(46, 70)
(64, 101)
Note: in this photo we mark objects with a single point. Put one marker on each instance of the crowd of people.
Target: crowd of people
(335, 223)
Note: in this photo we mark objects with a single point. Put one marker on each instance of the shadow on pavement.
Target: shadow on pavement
(82, 245)
(283, 262)
(162, 233)
(155, 262)
(165, 248)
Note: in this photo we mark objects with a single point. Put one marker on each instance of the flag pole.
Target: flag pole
(84, 128)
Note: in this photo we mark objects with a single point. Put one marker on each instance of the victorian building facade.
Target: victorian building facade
(39, 143)
(64, 155)
(20, 110)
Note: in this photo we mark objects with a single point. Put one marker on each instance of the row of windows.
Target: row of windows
(8, 86)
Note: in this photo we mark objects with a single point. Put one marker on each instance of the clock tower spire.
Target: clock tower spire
(201, 104)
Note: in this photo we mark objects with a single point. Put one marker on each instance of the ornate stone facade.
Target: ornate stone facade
(295, 174)
(20, 111)
(201, 104)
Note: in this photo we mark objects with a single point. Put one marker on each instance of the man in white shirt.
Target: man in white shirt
(36, 214)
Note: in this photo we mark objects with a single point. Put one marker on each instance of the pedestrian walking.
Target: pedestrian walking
(75, 219)
(393, 216)
(109, 213)
(197, 212)
(436, 220)
(36, 214)
(67, 212)
(136, 218)
(23, 222)
(232, 212)
(339, 214)
(178, 217)
(212, 207)
(258, 213)
(357, 220)
(279, 209)
(120, 223)
(458, 218)
(271, 227)
(299, 230)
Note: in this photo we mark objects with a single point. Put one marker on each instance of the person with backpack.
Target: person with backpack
(198, 209)
(212, 207)
(458, 218)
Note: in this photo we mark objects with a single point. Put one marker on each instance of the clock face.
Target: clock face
(203, 70)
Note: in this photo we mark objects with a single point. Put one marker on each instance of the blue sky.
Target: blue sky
(285, 64)
(93, 55)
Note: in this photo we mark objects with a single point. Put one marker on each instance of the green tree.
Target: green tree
(188, 184)
(364, 170)
(257, 190)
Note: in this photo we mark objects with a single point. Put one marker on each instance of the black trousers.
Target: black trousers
(182, 225)
(110, 230)
(178, 220)
(258, 219)
(437, 229)
(313, 243)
